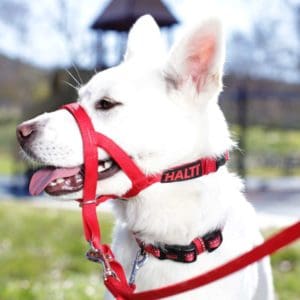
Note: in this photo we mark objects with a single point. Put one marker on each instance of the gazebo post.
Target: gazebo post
(99, 50)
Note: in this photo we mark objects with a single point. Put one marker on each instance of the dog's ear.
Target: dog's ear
(145, 41)
(198, 59)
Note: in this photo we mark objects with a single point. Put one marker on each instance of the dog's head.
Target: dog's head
(160, 108)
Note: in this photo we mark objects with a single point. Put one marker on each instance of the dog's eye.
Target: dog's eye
(105, 104)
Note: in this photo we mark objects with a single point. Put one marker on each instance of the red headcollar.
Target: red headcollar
(92, 140)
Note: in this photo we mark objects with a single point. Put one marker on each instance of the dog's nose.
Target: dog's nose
(24, 132)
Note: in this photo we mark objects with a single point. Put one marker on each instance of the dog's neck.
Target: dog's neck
(175, 213)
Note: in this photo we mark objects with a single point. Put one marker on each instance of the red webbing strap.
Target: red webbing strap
(208, 166)
(121, 157)
(91, 225)
(90, 154)
(89, 215)
(114, 284)
(119, 283)
(271, 245)
(89, 203)
(139, 180)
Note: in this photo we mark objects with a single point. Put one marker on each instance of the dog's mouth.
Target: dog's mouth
(60, 181)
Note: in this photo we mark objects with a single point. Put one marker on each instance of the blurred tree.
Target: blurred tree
(295, 7)
(55, 23)
(31, 82)
(65, 19)
(267, 49)
(13, 14)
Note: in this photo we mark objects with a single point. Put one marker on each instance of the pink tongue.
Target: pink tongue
(43, 177)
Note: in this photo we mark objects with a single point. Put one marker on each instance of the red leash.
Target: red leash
(114, 275)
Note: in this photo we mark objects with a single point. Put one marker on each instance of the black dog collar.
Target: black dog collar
(187, 253)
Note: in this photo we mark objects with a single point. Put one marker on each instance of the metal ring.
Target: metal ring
(87, 202)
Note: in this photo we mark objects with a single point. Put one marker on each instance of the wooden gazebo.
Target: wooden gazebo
(119, 16)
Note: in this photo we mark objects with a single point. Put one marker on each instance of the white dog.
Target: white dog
(163, 111)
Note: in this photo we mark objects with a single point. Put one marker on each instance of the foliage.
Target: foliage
(286, 271)
(9, 152)
(273, 141)
(22, 84)
(41, 256)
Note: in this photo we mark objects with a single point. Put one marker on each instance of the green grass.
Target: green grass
(8, 148)
(42, 257)
(9, 165)
(42, 254)
(264, 143)
(271, 172)
(8, 135)
(273, 141)
(286, 271)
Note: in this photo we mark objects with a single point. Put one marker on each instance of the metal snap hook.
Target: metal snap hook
(140, 260)
(97, 256)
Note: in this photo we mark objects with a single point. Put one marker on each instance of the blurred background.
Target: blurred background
(50, 47)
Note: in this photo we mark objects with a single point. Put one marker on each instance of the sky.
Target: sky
(42, 46)
(43, 36)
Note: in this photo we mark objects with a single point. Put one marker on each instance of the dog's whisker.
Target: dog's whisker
(78, 74)
(71, 85)
(74, 78)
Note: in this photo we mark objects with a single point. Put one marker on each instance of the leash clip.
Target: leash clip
(97, 256)
(140, 259)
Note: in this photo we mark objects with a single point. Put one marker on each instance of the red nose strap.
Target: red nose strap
(89, 143)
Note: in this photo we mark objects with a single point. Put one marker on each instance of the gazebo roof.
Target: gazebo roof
(119, 15)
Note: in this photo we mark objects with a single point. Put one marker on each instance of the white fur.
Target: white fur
(169, 116)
